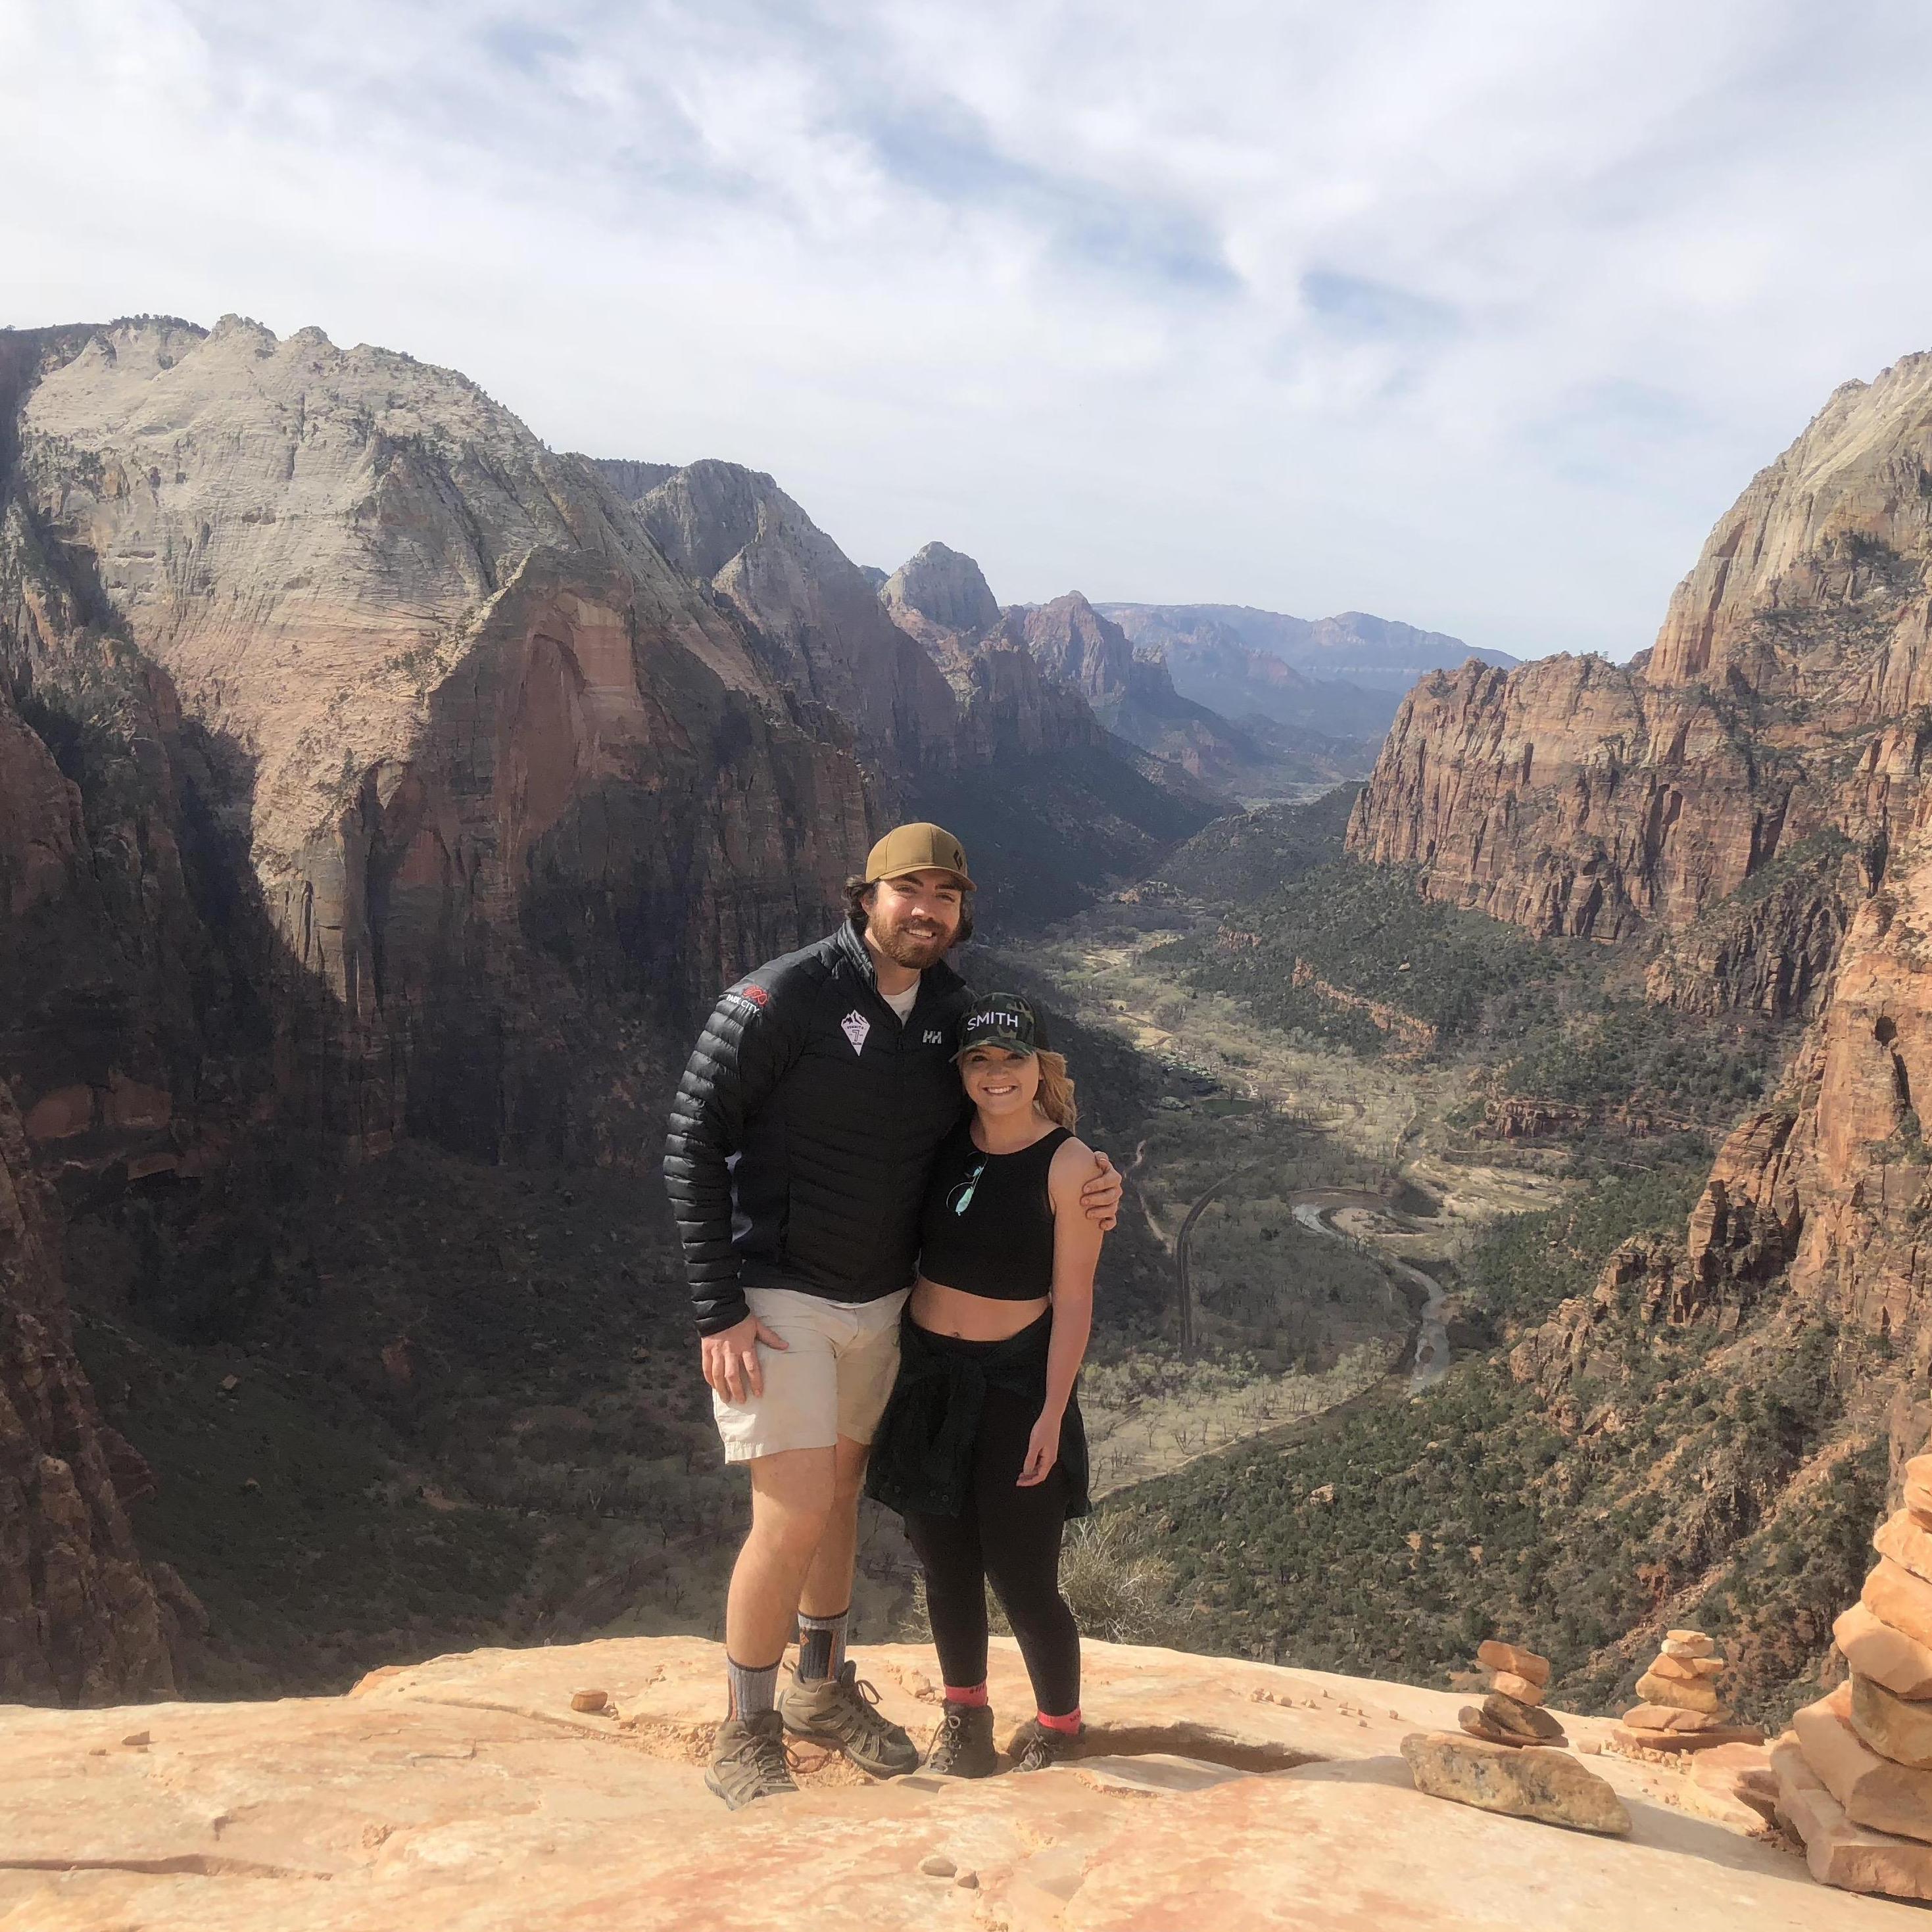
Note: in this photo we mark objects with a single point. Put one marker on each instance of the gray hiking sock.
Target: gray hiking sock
(752, 1691)
(821, 1645)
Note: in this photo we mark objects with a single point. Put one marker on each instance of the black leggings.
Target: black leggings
(1009, 1537)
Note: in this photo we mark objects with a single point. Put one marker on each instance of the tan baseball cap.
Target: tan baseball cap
(917, 848)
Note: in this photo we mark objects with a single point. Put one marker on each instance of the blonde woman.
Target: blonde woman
(982, 1449)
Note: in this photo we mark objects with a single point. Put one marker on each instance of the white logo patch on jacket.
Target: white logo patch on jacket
(933, 1038)
(855, 1027)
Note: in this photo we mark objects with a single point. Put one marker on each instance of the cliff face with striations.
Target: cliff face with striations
(1776, 713)
(490, 750)
(824, 631)
(1748, 797)
(1833, 1180)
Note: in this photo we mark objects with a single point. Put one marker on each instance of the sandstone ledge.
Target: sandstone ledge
(465, 1794)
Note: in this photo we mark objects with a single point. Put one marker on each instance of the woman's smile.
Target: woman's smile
(998, 1082)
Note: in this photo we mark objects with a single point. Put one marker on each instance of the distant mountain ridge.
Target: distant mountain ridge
(1379, 653)
(941, 597)
(1348, 672)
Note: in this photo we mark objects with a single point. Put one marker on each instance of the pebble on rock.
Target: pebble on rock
(937, 1865)
(590, 1700)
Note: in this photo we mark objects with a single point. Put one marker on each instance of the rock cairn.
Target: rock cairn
(1681, 1710)
(1513, 1712)
(1491, 1763)
(1854, 1771)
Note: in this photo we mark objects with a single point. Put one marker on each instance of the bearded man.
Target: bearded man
(818, 1093)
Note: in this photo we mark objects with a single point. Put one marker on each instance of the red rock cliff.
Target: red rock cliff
(1749, 795)
(81, 1618)
(1777, 708)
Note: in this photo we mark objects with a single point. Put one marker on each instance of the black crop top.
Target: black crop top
(988, 1228)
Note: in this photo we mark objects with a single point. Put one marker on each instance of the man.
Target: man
(804, 1125)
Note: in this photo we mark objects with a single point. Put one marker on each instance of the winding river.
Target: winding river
(1314, 1209)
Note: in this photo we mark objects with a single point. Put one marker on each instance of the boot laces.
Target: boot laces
(771, 1756)
(863, 1705)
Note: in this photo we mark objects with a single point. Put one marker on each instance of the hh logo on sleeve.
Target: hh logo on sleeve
(855, 1027)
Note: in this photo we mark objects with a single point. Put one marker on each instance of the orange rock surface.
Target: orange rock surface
(466, 1794)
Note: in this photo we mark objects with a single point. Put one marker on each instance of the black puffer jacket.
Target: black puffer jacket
(804, 1127)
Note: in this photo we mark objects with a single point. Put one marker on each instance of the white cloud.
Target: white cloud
(1475, 313)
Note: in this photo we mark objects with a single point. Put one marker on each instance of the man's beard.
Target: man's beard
(913, 950)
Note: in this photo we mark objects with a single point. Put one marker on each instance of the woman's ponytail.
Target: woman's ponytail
(1055, 1097)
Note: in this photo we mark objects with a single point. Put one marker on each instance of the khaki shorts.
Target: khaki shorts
(832, 1379)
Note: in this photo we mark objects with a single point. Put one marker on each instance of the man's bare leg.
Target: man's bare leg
(792, 1496)
(824, 1703)
(826, 1601)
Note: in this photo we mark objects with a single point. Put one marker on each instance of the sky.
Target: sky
(1473, 313)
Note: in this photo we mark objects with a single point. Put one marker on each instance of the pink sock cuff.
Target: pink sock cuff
(974, 1695)
(1070, 1723)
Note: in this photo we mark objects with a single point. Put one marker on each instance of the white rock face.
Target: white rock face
(457, 676)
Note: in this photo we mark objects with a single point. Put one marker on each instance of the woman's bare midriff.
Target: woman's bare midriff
(940, 1310)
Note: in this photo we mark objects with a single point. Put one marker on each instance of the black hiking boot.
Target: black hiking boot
(1035, 1746)
(962, 1747)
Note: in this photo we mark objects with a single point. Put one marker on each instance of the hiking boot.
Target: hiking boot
(962, 1747)
(749, 1760)
(837, 1712)
(1035, 1746)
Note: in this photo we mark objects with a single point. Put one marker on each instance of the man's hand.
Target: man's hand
(731, 1359)
(1101, 1196)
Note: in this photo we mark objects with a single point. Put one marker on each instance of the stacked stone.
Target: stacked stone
(1680, 1710)
(1513, 1712)
(1855, 1772)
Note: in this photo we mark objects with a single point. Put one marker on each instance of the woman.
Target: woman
(982, 1449)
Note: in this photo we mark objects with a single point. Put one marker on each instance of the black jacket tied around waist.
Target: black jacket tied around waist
(923, 1455)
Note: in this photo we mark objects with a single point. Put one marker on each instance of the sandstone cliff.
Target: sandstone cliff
(1133, 695)
(459, 694)
(1833, 1180)
(1571, 798)
(830, 639)
(1010, 706)
(1748, 798)
(1777, 708)
(940, 593)
(81, 1617)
